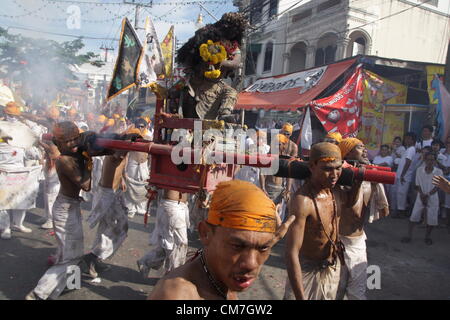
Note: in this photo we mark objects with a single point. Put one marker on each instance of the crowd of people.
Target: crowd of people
(416, 160)
(324, 222)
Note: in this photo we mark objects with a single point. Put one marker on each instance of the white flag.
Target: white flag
(152, 62)
(306, 133)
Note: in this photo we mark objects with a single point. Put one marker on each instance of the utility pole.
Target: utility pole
(106, 49)
(138, 5)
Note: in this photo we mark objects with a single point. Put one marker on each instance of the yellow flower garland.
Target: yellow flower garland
(207, 53)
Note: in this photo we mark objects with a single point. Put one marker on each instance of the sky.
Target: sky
(64, 20)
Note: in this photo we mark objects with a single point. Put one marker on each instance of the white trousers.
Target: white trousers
(110, 213)
(18, 216)
(51, 190)
(134, 198)
(431, 212)
(401, 191)
(69, 236)
(355, 256)
(169, 236)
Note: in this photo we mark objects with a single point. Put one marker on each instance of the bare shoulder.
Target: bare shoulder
(301, 203)
(65, 162)
(174, 288)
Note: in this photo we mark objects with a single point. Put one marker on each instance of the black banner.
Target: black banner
(127, 64)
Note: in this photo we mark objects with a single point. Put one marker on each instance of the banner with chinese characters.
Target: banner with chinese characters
(377, 91)
(125, 73)
(341, 112)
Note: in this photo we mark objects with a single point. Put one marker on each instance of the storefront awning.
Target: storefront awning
(288, 92)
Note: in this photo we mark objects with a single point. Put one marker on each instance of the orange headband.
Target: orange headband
(241, 205)
(347, 145)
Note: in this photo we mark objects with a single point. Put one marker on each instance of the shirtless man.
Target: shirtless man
(237, 238)
(314, 254)
(74, 172)
(109, 211)
(351, 227)
(169, 236)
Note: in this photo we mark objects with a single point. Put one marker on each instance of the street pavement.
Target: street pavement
(408, 271)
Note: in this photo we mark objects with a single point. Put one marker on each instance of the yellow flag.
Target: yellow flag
(167, 51)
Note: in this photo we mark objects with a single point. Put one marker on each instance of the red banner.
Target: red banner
(341, 112)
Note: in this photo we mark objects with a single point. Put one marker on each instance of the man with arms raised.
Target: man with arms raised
(237, 238)
(314, 254)
(74, 174)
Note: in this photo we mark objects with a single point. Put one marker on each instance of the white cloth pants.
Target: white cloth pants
(18, 216)
(169, 236)
(401, 191)
(69, 236)
(355, 256)
(51, 190)
(109, 212)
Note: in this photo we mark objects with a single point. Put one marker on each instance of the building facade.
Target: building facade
(288, 36)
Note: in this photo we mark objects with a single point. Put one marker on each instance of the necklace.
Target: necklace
(337, 247)
(210, 278)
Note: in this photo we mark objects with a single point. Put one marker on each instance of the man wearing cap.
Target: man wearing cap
(371, 201)
(314, 253)
(237, 239)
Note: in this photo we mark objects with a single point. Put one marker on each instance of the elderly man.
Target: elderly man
(237, 238)
(371, 201)
(314, 253)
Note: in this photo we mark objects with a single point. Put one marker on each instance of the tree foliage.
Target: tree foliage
(42, 65)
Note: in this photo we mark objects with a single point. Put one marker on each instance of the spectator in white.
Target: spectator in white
(426, 138)
(404, 175)
(445, 167)
(436, 147)
(12, 157)
(427, 202)
(383, 159)
(397, 151)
